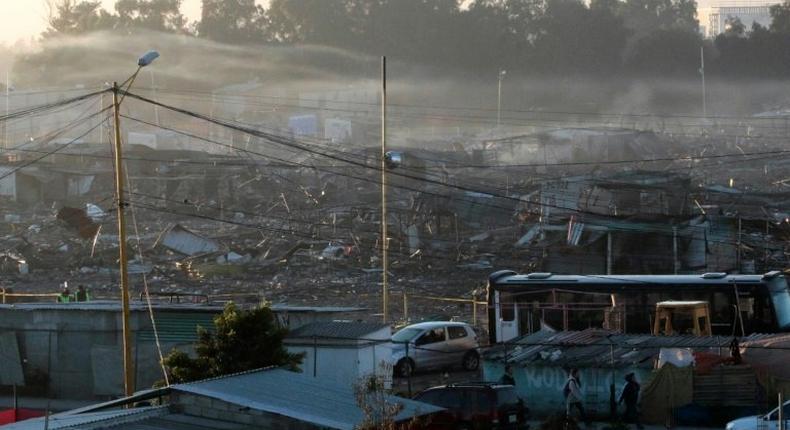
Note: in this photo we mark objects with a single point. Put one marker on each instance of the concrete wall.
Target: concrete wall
(346, 361)
(332, 363)
(81, 350)
(207, 407)
(541, 386)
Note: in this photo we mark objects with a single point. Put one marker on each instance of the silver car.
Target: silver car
(435, 345)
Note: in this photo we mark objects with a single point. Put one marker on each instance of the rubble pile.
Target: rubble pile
(567, 201)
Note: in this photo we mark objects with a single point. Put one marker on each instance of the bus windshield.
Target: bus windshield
(780, 297)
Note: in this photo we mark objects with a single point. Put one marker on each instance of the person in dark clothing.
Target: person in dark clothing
(507, 377)
(82, 294)
(630, 396)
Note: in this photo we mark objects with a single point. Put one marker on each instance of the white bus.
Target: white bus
(739, 304)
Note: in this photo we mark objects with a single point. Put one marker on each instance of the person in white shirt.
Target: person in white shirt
(573, 396)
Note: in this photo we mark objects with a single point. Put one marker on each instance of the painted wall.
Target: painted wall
(345, 362)
(541, 386)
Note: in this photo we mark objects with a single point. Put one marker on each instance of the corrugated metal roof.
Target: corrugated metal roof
(600, 348)
(112, 306)
(181, 240)
(282, 392)
(279, 307)
(337, 330)
(66, 420)
(630, 279)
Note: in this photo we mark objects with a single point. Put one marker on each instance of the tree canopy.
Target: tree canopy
(241, 340)
(571, 37)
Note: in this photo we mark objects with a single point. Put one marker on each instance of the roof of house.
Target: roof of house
(336, 330)
(67, 420)
(284, 393)
(599, 348)
(274, 391)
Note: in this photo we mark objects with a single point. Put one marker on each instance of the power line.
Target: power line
(47, 154)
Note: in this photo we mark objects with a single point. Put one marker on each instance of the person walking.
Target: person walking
(630, 396)
(82, 294)
(507, 377)
(574, 397)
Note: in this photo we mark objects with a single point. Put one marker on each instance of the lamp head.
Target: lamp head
(147, 58)
(393, 159)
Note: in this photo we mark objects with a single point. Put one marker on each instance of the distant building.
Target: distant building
(714, 20)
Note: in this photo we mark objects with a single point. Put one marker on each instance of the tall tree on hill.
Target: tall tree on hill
(232, 21)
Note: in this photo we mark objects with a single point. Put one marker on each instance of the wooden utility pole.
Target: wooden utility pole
(128, 365)
(384, 242)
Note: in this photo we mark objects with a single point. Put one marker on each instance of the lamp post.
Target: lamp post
(128, 365)
(500, 76)
(702, 72)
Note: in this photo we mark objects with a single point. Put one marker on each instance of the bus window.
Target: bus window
(507, 307)
(780, 297)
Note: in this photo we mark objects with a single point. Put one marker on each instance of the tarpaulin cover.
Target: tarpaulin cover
(671, 387)
(9, 416)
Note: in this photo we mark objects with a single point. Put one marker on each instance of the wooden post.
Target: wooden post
(128, 365)
(384, 241)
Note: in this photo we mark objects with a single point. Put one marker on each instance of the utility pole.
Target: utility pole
(702, 72)
(7, 107)
(501, 76)
(128, 365)
(384, 243)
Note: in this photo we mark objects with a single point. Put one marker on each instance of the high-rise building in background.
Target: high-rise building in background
(714, 19)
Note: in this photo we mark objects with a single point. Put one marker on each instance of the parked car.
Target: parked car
(435, 345)
(769, 421)
(478, 405)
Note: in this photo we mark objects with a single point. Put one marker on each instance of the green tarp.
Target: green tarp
(670, 387)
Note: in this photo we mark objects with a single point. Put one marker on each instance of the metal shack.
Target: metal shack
(541, 362)
(343, 352)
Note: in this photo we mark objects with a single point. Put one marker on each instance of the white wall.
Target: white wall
(337, 364)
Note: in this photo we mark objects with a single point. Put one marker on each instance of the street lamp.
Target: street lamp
(128, 365)
(501, 76)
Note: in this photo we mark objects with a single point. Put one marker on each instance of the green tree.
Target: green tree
(574, 38)
(232, 21)
(644, 17)
(666, 53)
(780, 18)
(158, 15)
(242, 340)
(733, 27)
(71, 17)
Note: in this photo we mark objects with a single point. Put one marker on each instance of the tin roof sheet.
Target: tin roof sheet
(282, 392)
(600, 348)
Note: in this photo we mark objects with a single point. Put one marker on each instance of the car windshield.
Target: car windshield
(406, 334)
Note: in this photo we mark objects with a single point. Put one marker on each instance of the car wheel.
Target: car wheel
(471, 361)
(404, 368)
